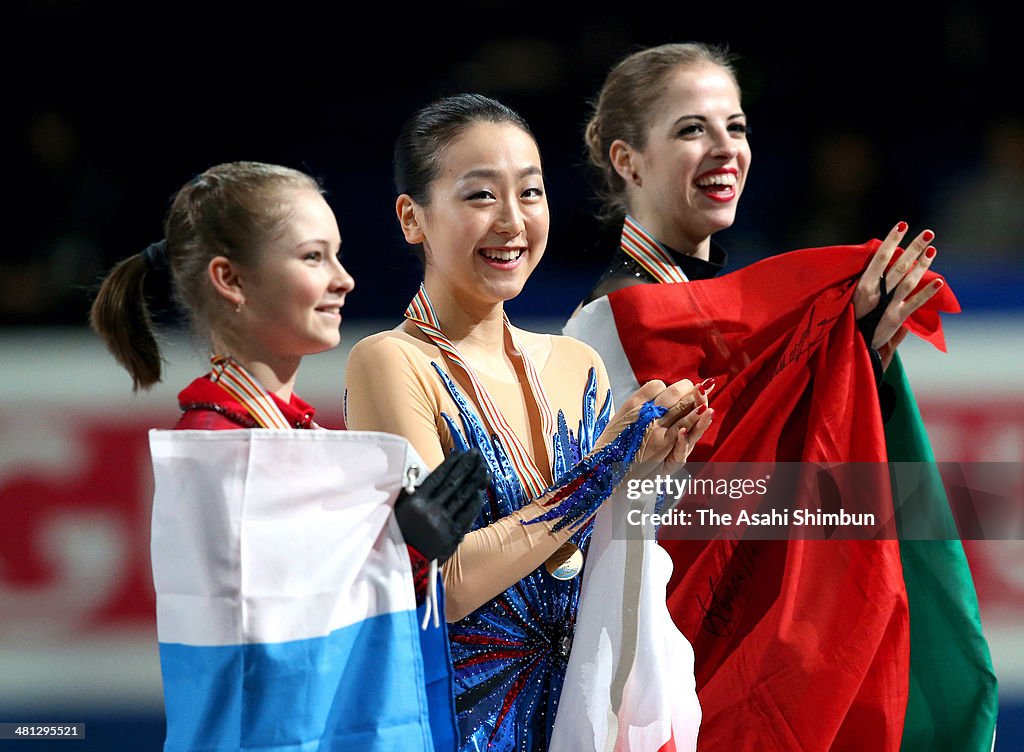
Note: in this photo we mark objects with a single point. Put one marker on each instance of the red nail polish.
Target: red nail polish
(708, 382)
(700, 388)
(938, 284)
(927, 236)
(901, 227)
(701, 409)
(929, 252)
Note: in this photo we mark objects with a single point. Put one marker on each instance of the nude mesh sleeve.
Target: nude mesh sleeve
(385, 392)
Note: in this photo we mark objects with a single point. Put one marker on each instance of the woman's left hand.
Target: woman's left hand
(888, 350)
(435, 516)
(692, 426)
(899, 282)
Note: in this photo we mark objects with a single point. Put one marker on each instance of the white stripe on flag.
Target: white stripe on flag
(629, 685)
(263, 536)
(286, 611)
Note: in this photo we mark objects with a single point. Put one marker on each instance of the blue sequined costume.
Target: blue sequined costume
(510, 655)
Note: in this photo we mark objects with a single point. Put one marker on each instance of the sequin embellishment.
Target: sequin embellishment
(510, 655)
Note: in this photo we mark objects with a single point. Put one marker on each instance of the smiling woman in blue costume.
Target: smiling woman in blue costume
(457, 375)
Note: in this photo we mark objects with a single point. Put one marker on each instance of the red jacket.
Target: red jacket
(206, 406)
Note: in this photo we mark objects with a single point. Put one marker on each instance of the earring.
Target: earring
(238, 307)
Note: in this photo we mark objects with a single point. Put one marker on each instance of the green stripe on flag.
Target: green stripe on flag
(953, 690)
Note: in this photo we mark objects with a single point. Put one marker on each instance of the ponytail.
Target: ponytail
(121, 317)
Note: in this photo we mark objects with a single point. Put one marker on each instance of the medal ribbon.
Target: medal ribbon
(421, 313)
(638, 244)
(247, 391)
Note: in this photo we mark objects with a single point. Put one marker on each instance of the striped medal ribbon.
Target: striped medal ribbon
(249, 393)
(421, 313)
(639, 245)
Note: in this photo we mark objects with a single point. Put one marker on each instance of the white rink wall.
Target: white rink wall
(76, 628)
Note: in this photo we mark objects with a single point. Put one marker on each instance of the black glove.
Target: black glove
(866, 326)
(435, 517)
(869, 322)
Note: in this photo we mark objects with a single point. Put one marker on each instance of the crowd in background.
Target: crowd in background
(863, 123)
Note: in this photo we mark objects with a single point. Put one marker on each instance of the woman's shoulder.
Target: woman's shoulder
(392, 350)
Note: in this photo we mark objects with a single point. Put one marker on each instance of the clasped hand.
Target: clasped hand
(671, 437)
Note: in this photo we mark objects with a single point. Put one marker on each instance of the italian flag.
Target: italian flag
(953, 698)
(806, 644)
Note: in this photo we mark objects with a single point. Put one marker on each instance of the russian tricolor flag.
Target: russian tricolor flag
(286, 613)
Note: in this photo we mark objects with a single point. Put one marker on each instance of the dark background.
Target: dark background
(859, 118)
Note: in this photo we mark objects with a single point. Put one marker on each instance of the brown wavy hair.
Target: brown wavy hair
(621, 110)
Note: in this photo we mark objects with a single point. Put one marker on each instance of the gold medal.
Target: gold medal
(565, 563)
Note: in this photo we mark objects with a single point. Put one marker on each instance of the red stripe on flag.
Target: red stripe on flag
(770, 621)
(670, 745)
